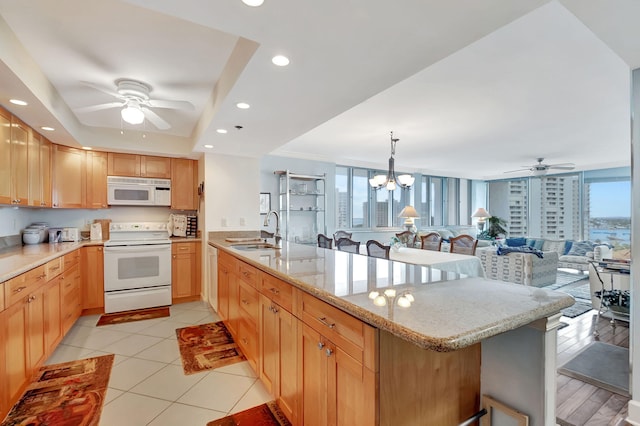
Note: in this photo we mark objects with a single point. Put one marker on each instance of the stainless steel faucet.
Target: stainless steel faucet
(277, 238)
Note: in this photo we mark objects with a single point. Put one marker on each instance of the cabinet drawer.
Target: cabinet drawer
(339, 327)
(178, 248)
(278, 291)
(248, 342)
(227, 260)
(17, 288)
(53, 268)
(249, 302)
(71, 259)
(248, 274)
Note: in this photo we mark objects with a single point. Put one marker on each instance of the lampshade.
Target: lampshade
(481, 213)
(408, 211)
(132, 114)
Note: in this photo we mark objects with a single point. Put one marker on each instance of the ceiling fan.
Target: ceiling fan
(133, 97)
(541, 169)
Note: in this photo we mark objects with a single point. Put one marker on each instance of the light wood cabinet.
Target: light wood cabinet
(69, 177)
(5, 157)
(4, 399)
(16, 359)
(92, 279)
(52, 317)
(184, 178)
(248, 314)
(133, 165)
(225, 273)
(96, 180)
(20, 133)
(70, 293)
(45, 173)
(34, 170)
(185, 271)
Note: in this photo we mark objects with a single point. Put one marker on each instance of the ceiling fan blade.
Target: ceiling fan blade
(519, 170)
(561, 167)
(155, 119)
(162, 103)
(103, 89)
(100, 107)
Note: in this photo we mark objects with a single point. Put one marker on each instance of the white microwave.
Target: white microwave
(131, 191)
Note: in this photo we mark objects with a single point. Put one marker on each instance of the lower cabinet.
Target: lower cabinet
(92, 279)
(52, 317)
(185, 271)
(70, 295)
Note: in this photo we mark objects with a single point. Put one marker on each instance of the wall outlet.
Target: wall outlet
(223, 221)
(242, 221)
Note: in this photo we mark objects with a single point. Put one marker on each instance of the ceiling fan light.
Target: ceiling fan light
(539, 172)
(132, 114)
(253, 3)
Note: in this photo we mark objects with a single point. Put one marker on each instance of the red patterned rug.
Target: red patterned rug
(68, 394)
(207, 346)
(263, 415)
(137, 315)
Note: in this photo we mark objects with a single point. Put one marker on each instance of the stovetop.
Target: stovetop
(125, 233)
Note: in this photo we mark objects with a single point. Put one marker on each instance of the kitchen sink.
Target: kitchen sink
(255, 246)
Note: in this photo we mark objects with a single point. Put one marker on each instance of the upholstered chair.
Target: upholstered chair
(431, 241)
(341, 234)
(347, 244)
(463, 244)
(324, 241)
(407, 238)
(376, 249)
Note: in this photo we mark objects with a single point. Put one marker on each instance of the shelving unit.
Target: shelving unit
(302, 206)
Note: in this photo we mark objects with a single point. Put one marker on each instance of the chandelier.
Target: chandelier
(389, 181)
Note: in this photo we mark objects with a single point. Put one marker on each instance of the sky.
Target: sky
(610, 199)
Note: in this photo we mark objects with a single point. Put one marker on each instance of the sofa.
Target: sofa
(571, 254)
(519, 268)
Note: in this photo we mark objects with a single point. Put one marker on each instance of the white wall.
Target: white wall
(12, 220)
(231, 193)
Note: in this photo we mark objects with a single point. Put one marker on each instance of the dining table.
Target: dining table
(451, 262)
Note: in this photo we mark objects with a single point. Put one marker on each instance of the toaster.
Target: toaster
(70, 234)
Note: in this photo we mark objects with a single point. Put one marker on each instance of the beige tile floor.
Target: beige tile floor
(147, 384)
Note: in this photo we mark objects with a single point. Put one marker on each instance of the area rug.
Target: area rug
(565, 278)
(601, 364)
(67, 394)
(137, 315)
(576, 309)
(263, 415)
(207, 346)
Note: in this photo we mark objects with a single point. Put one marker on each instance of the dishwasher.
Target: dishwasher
(212, 276)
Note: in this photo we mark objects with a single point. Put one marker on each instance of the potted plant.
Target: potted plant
(496, 227)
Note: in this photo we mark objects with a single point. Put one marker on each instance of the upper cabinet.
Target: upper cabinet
(184, 178)
(138, 166)
(5, 157)
(96, 180)
(14, 173)
(39, 171)
(69, 177)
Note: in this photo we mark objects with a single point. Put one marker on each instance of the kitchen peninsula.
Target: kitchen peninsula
(334, 355)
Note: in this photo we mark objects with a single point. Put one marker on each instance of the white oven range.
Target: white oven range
(137, 266)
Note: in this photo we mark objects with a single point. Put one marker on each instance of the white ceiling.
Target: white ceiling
(471, 89)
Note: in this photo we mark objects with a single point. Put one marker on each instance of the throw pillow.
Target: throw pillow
(567, 247)
(580, 248)
(516, 242)
(535, 243)
(445, 233)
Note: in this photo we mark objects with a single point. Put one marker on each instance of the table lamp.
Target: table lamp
(481, 214)
(409, 213)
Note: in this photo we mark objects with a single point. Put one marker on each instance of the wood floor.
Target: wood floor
(579, 403)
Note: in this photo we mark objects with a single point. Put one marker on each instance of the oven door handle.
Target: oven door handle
(138, 249)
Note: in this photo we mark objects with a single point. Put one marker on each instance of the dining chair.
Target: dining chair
(341, 234)
(463, 244)
(347, 244)
(324, 241)
(376, 249)
(407, 238)
(431, 241)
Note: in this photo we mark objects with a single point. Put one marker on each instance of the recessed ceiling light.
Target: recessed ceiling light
(18, 102)
(221, 131)
(88, 148)
(280, 60)
(243, 105)
(208, 146)
(47, 128)
(253, 3)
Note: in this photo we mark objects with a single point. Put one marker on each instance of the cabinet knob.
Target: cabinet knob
(320, 345)
(174, 256)
(99, 248)
(328, 351)
(274, 290)
(19, 289)
(273, 309)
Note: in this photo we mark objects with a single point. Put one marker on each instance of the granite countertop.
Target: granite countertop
(17, 260)
(450, 311)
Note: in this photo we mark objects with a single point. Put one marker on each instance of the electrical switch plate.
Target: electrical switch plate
(242, 221)
(224, 221)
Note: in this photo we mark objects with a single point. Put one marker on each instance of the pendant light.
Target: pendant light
(390, 181)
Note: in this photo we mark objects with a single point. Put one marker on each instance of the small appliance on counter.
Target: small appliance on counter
(55, 235)
(35, 233)
(70, 234)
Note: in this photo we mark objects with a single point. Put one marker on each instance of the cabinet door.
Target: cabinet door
(314, 376)
(123, 164)
(96, 180)
(4, 399)
(269, 346)
(92, 277)
(69, 177)
(35, 170)
(5, 157)
(223, 291)
(15, 327)
(36, 328)
(52, 316)
(352, 389)
(155, 167)
(45, 172)
(19, 162)
(182, 275)
(184, 175)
